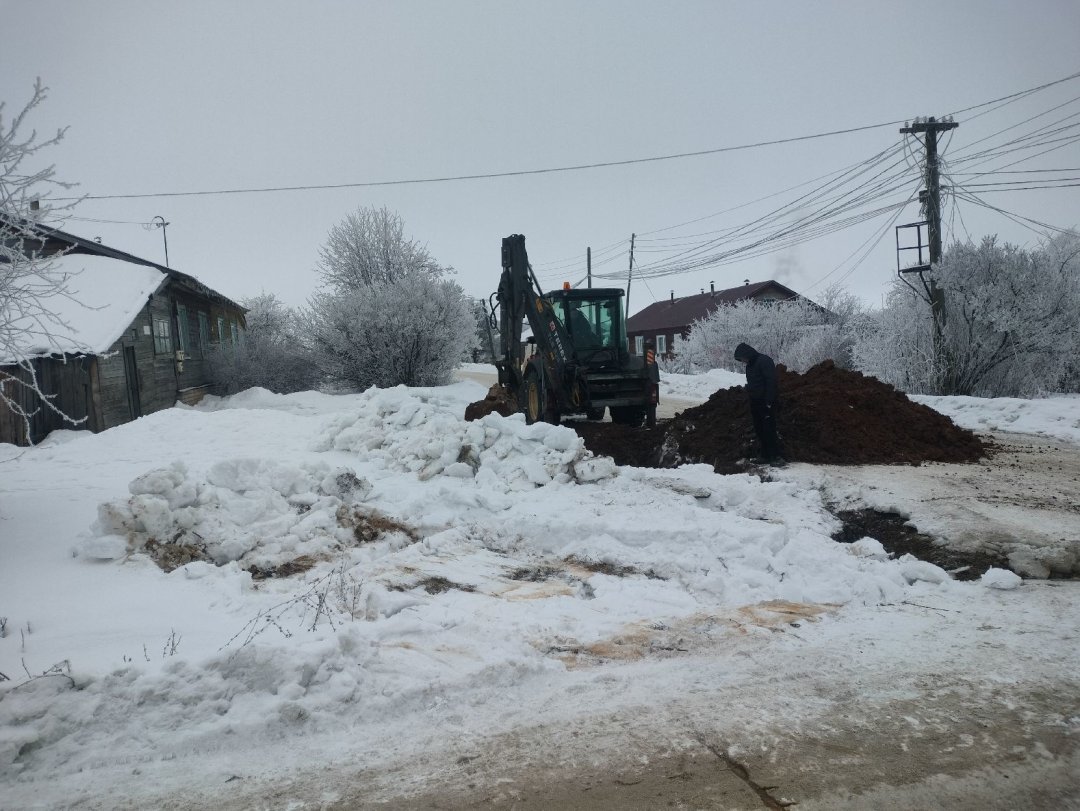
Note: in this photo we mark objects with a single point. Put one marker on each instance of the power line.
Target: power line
(1012, 172)
(868, 251)
(971, 197)
(1018, 94)
(807, 227)
(1026, 188)
(750, 203)
(488, 175)
(551, 170)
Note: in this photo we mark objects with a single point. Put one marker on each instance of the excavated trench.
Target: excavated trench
(826, 416)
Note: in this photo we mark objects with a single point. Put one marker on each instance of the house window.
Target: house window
(204, 333)
(221, 331)
(183, 336)
(235, 329)
(162, 337)
(661, 344)
(639, 344)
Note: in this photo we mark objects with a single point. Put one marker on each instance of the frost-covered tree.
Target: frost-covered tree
(370, 246)
(273, 353)
(412, 330)
(387, 314)
(30, 284)
(797, 333)
(1010, 325)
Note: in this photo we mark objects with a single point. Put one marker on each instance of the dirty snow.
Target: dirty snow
(516, 572)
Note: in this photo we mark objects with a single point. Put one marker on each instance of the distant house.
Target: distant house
(667, 323)
(136, 340)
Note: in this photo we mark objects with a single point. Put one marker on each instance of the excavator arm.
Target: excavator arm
(519, 299)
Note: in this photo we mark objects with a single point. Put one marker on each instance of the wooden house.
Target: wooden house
(136, 339)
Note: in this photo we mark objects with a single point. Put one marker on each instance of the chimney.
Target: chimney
(672, 296)
(746, 282)
(712, 288)
(703, 291)
(35, 204)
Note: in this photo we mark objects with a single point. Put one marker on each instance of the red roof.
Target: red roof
(679, 314)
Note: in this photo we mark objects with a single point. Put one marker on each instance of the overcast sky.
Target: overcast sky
(202, 96)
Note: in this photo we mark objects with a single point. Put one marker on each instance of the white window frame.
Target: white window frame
(661, 344)
(639, 344)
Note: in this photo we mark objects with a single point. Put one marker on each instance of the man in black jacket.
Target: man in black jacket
(764, 400)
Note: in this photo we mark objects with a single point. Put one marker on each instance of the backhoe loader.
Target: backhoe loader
(577, 360)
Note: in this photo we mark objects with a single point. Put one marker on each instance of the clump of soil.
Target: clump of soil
(439, 585)
(612, 569)
(497, 401)
(369, 526)
(898, 537)
(169, 556)
(826, 416)
(535, 574)
(297, 565)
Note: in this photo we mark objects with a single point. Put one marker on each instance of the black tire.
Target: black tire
(537, 405)
(650, 417)
(595, 414)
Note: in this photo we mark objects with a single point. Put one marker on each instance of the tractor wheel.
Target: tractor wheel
(650, 417)
(534, 397)
(538, 405)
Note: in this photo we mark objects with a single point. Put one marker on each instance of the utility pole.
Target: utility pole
(588, 264)
(630, 274)
(931, 200)
(164, 236)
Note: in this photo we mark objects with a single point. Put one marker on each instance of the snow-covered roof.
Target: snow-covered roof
(105, 294)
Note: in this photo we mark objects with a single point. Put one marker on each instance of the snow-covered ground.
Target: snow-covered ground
(1056, 416)
(451, 581)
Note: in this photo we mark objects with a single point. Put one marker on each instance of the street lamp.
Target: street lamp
(164, 236)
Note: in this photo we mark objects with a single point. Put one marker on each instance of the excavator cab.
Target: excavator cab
(594, 319)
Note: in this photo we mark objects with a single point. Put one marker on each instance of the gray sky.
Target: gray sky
(196, 96)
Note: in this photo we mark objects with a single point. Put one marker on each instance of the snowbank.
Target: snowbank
(699, 386)
(1056, 416)
(422, 431)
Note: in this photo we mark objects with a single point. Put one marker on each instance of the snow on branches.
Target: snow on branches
(388, 314)
(30, 283)
(1010, 326)
(412, 330)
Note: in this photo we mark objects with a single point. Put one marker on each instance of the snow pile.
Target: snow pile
(258, 399)
(420, 431)
(255, 511)
(1001, 579)
(699, 386)
(1056, 416)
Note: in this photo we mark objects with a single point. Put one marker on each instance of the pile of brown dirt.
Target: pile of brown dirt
(497, 401)
(826, 416)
